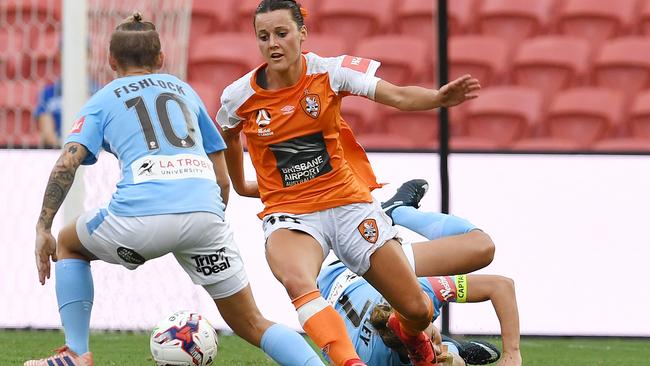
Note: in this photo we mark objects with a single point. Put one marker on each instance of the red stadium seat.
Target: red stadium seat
(596, 20)
(585, 115)
(381, 141)
(472, 143)
(361, 114)
(354, 20)
(421, 127)
(16, 122)
(514, 20)
(484, 57)
(209, 17)
(223, 58)
(210, 95)
(325, 45)
(624, 64)
(43, 61)
(644, 18)
(504, 114)
(403, 59)
(415, 17)
(546, 144)
(625, 144)
(639, 116)
(552, 63)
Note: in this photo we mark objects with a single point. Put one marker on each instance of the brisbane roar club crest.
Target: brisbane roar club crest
(369, 230)
(311, 105)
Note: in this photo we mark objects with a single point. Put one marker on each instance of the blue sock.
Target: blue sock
(431, 225)
(287, 347)
(74, 293)
(451, 348)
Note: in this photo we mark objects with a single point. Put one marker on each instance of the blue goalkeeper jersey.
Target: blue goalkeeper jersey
(158, 128)
(354, 298)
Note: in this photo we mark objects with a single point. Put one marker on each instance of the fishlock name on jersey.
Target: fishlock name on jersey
(145, 83)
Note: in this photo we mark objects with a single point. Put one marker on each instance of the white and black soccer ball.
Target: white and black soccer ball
(184, 338)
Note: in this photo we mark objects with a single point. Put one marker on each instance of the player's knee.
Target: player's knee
(485, 248)
(417, 310)
(297, 284)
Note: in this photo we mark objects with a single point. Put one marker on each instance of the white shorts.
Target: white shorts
(202, 243)
(352, 231)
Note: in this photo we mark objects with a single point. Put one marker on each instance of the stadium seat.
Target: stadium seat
(552, 63)
(245, 10)
(623, 64)
(223, 58)
(484, 57)
(639, 115)
(596, 20)
(16, 122)
(625, 144)
(43, 61)
(585, 114)
(504, 114)
(546, 144)
(207, 17)
(325, 45)
(514, 20)
(361, 114)
(403, 59)
(472, 143)
(354, 20)
(421, 127)
(644, 18)
(415, 17)
(386, 142)
(210, 95)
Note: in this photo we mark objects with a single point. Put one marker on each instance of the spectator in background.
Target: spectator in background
(48, 114)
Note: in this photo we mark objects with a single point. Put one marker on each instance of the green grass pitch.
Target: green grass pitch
(124, 348)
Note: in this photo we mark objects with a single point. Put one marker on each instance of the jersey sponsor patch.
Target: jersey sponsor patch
(443, 287)
(369, 230)
(169, 167)
(301, 159)
(356, 63)
(76, 127)
(342, 281)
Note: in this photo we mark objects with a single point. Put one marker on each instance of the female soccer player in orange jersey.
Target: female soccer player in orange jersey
(315, 180)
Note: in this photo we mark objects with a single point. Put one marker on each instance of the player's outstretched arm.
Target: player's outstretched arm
(235, 161)
(221, 172)
(57, 188)
(501, 292)
(415, 98)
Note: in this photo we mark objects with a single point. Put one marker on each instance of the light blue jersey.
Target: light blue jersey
(158, 128)
(354, 298)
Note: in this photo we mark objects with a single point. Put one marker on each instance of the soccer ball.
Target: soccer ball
(184, 338)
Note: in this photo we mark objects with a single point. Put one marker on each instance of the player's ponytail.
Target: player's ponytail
(135, 43)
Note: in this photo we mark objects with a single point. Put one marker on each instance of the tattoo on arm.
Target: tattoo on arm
(60, 181)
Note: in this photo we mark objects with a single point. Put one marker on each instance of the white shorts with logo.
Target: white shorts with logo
(202, 243)
(352, 231)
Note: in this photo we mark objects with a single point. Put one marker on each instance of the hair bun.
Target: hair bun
(137, 16)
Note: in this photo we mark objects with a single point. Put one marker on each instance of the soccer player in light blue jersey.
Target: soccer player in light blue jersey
(171, 199)
(366, 312)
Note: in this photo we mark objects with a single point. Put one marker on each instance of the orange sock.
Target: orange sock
(413, 328)
(325, 327)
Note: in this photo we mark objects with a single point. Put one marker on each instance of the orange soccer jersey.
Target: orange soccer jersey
(304, 154)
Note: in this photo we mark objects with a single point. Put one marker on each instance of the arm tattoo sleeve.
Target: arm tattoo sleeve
(60, 182)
